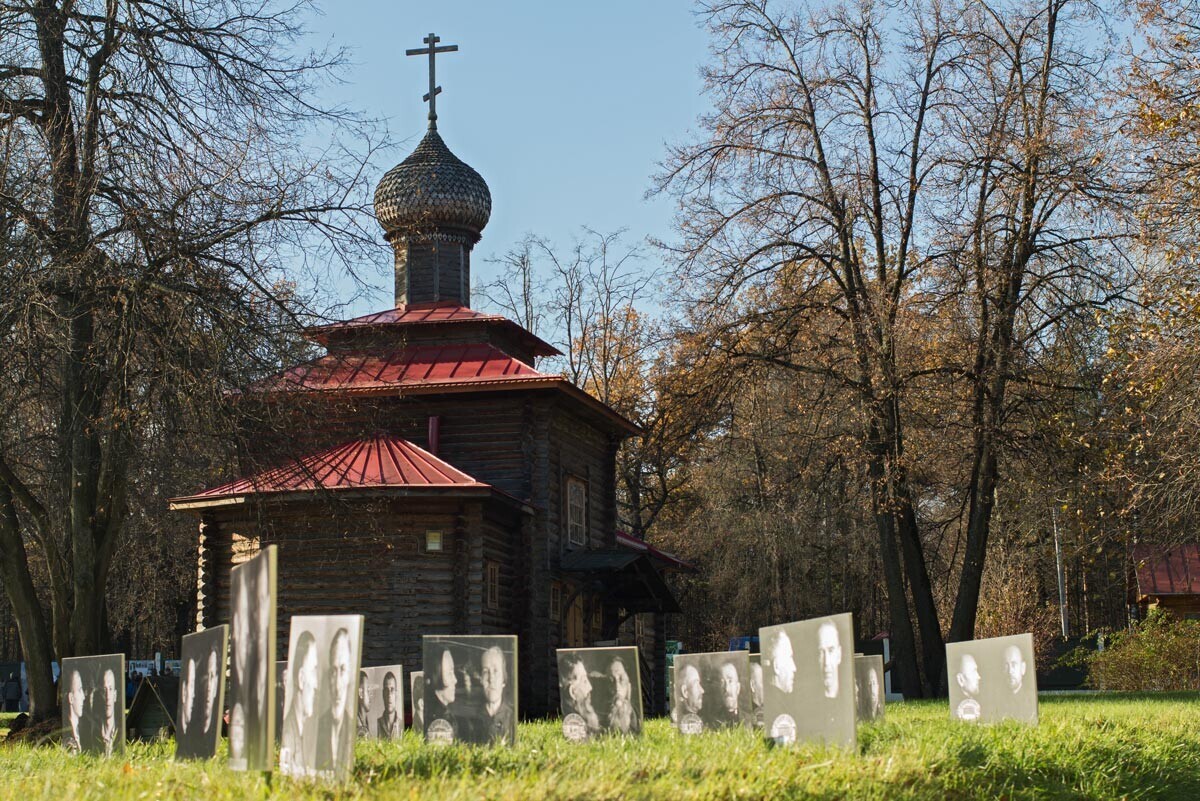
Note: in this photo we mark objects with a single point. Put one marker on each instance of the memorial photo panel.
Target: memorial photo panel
(712, 691)
(868, 686)
(417, 700)
(252, 669)
(808, 681)
(992, 680)
(319, 720)
(470, 688)
(93, 704)
(381, 702)
(600, 691)
(202, 661)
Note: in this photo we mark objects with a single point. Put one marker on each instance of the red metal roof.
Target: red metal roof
(1167, 571)
(633, 543)
(374, 463)
(421, 364)
(431, 313)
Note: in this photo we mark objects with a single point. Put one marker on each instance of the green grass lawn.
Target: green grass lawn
(1131, 747)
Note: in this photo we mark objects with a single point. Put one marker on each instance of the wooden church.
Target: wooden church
(432, 478)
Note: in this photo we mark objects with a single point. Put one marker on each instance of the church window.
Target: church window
(576, 511)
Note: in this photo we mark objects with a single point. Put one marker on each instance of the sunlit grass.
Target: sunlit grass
(1135, 747)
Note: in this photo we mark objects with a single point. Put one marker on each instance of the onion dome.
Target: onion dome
(431, 191)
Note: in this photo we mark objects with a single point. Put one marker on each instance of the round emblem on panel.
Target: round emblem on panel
(783, 730)
(574, 728)
(690, 724)
(439, 731)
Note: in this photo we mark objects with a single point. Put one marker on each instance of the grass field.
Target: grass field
(1135, 747)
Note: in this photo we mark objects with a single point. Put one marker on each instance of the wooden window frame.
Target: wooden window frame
(577, 483)
(491, 584)
(556, 599)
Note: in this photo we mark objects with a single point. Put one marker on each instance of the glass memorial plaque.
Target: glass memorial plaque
(470, 688)
(93, 704)
(868, 686)
(319, 721)
(712, 691)
(201, 693)
(251, 680)
(808, 681)
(600, 691)
(381, 702)
(992, 680)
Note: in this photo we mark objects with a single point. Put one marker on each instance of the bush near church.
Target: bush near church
(1161, 652)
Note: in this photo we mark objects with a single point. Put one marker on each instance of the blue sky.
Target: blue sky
(563, 107)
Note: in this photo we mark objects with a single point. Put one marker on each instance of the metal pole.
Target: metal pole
(1062, 580)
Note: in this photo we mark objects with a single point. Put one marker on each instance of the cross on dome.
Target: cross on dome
(434, 90)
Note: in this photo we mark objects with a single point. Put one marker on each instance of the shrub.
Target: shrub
(1161, 652)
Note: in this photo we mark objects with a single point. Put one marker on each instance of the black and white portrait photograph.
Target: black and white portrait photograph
(470, 688)
(381, 702)
(416, 697)
(992, 680)
(600, 691)
(319, 719)
(251, 679)
(756, 689)
(712, 691)
(93, 704)
(808, 687)
(201, 693)
(868, 686)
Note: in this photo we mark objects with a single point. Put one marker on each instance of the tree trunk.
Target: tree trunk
(27, 612)
(903, 642)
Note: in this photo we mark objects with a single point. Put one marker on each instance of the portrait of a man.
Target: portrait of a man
(364, 706)
(756, 689)
(73, 712)
(783, 662)
(390, 724)
(577, 696)
(417, 694)
(1014, 668)
(731, 690)
(829, 655)
(623, 715)
(336, 739)
(187, 698)
(691, 691)
(493, 677)
(968, 680)
(298, 743)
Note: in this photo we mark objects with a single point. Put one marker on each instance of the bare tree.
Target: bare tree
(858, 159)
(155, 186)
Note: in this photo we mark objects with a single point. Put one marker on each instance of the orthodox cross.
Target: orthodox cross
(434, 89)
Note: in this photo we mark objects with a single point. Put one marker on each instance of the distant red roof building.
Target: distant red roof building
(1168, 578)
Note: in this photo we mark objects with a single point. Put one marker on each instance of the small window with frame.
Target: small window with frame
(576, 512)
(491, 584)
(432, 542)
(556, 594)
